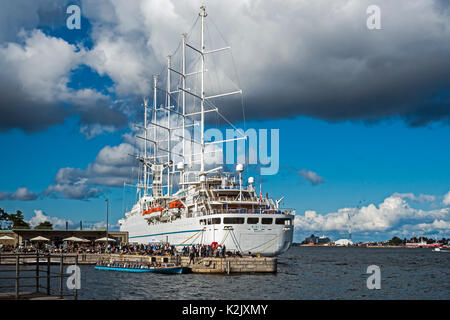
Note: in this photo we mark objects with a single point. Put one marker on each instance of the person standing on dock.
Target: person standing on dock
(191, 254)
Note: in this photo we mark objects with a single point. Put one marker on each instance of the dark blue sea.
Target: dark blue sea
(303, 273)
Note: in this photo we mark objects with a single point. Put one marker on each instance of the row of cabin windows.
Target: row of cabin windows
(240, 220)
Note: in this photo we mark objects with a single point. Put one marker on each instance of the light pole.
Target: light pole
(107, 220)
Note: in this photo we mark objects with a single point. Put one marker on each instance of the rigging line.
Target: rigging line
(223, 117)
(192, 28)
(273, 241)
(233, 236)
(220, 33)
(123, 197)
(235, 69)
(243, 110)
(179, 43)
(215, 85)
(269, 241)
(238, 86)
(225, 237)
(190, 237)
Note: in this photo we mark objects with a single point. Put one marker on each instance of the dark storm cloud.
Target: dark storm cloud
(312, 58)
(319, 59)
(35, 71)
(348, 72)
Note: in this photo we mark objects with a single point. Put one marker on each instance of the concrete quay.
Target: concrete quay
(201, 264)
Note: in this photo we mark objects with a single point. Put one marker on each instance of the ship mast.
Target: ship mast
(155, 82)
(202, 97)
(183, 99)
(169, 61)
(145, 145)
(202, 102)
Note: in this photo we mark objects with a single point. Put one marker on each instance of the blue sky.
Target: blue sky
(379, 143)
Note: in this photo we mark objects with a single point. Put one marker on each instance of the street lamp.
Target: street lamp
(107, 219)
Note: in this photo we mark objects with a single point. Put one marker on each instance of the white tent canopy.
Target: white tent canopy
(6, 238)
(343, 242)
(104, 239)
(75, 239)
(39, 239)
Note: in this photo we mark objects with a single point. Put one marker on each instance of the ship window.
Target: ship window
(285, 221)
(203, 221)
(209, 221)
(252, 220)
(233, 220)
(216, 220)
(266, 220)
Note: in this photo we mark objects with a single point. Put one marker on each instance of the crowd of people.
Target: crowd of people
(155, 249)
(200, 250)
(135, 249)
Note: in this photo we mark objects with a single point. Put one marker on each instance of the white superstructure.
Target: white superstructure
(198, 206)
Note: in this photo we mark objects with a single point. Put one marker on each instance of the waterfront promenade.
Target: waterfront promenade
(224, 265)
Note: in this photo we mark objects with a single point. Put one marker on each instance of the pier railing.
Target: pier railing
(29, 279)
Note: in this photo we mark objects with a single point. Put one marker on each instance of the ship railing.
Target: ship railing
(37, 279)
(251, 211)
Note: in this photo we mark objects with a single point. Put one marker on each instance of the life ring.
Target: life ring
(214, 245)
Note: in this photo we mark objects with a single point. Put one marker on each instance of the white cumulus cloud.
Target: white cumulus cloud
(446, 200)
(393, 213)
(40, 216)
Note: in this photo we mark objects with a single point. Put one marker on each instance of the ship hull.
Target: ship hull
(267, 239)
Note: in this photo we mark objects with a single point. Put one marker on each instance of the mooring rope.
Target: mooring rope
(197, 233)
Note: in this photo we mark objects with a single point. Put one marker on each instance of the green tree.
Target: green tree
(396, 241)
(18, 222)
(5, 220)
(45, 225)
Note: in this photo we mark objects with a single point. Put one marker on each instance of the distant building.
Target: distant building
(343, 242)
(317, 240)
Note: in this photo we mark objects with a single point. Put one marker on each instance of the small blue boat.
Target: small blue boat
(162, 269)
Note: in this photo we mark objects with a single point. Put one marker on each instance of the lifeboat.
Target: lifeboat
(175, 204)
(157, 209)
(147, 212)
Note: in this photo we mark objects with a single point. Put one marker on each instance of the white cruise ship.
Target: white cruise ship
(181, 204)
